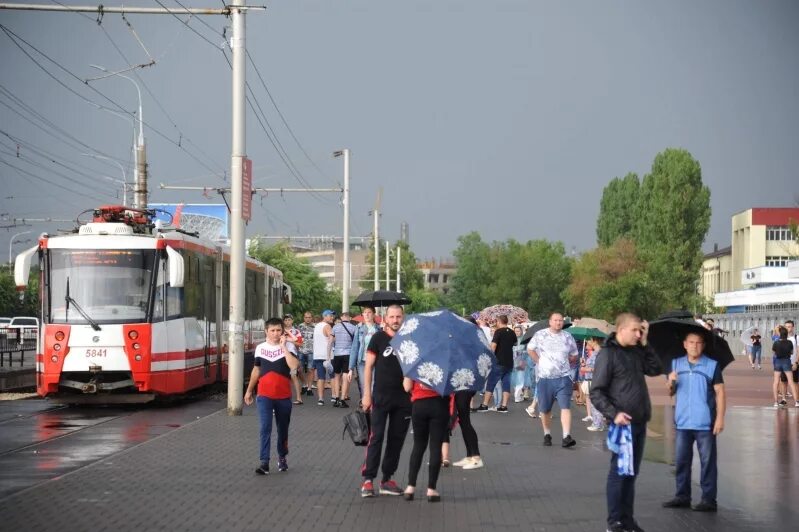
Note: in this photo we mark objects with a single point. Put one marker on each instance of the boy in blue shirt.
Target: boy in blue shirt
(699, 417)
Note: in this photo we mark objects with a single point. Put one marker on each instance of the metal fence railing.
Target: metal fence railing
(18, 345)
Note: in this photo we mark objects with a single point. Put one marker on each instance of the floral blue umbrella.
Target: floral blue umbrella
(443, 351)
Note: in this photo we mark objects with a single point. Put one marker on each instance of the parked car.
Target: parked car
(22, 329)
(24, 321)
(4, 322)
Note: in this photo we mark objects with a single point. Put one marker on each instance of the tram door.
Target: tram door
(209, 313)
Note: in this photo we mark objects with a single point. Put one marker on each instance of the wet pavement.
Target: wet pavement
(199, 476)
(41, 441)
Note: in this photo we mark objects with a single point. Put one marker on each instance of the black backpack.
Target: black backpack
(357, 424)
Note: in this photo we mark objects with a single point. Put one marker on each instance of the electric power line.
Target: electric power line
(15, 37)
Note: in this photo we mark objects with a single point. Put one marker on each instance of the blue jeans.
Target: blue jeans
(499, 374)
(621, 489)
(282, 412)
(756, 350)
(684, 450)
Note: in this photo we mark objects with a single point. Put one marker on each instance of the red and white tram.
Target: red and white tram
(130, 312)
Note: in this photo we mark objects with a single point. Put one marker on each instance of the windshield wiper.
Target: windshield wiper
(82, 312)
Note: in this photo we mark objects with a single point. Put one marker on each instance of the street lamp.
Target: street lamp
(11, 243)
(124, 175)
(140, 172)
(345, 278)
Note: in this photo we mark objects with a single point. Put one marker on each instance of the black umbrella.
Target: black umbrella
(539, 325)
(381, 298)
(666, 336)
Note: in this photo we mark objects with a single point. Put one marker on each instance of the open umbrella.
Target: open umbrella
(514, 314)
(381, 298)
(444, 351)
(594, 323)
(583, 333)
(746, 335)
(666, 336)
(539, 325)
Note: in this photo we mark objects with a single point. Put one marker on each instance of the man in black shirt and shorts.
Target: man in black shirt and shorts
(502, 344)
(389, 404)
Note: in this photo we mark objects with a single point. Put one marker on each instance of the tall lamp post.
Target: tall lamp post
(11, 243)
(345, 292)
(124, 175)
(140, 173)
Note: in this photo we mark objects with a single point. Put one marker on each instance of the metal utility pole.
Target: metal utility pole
(140, 151)
(345, 280)
(388, 267)
(235, 390)
(399, 262)
(376, 213)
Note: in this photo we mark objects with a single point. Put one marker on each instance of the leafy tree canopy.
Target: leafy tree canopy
(309, 291)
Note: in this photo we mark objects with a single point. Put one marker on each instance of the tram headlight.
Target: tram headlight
(54, 358)
(136, 346)
(133, 335)
(57, 347)
(59, 335)
(138, 358)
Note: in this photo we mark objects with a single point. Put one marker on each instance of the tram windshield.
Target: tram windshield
(109, 285)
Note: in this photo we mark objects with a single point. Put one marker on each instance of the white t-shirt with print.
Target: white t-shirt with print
(553, 351)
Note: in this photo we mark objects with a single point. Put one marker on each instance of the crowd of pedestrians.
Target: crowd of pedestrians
(608, 379)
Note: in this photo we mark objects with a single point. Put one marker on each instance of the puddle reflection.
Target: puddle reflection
(758, 455)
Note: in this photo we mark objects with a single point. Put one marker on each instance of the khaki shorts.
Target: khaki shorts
(585, 386)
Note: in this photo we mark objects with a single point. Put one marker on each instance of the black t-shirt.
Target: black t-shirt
(505, 340)
(755, 339)
(782, 348)
(387, 389)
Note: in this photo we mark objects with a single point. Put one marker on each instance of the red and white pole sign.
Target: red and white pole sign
(246, 190)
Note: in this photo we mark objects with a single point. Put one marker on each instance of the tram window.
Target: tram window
(173, 302)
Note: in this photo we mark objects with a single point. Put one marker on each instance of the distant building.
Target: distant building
(438, 275)
(326, 255)
(761, 237)
(757, 273)
(716, 272)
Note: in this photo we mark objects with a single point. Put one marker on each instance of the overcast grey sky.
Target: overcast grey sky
(507, 118)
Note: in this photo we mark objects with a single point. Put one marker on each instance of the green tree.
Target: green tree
(672, 218)
(470, 282)
(308, 290)
(617, 209)
(422, 300)
(532, 275)
(410, 276)
(529, 275)
(10, 304)
(609, 280)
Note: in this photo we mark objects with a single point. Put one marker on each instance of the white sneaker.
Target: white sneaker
(588, 418)
(776, 405)
(594, 428)
(796, 404)
(474, 464)
(530, 411)
(463, 462)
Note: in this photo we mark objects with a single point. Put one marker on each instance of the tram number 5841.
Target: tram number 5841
(95, 353)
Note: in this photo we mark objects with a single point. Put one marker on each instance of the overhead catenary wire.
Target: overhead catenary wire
(52, 158)
(283, 118)
(182, 137)
(40, 178)
(90, 186)
(273, 139)
(15, 38)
